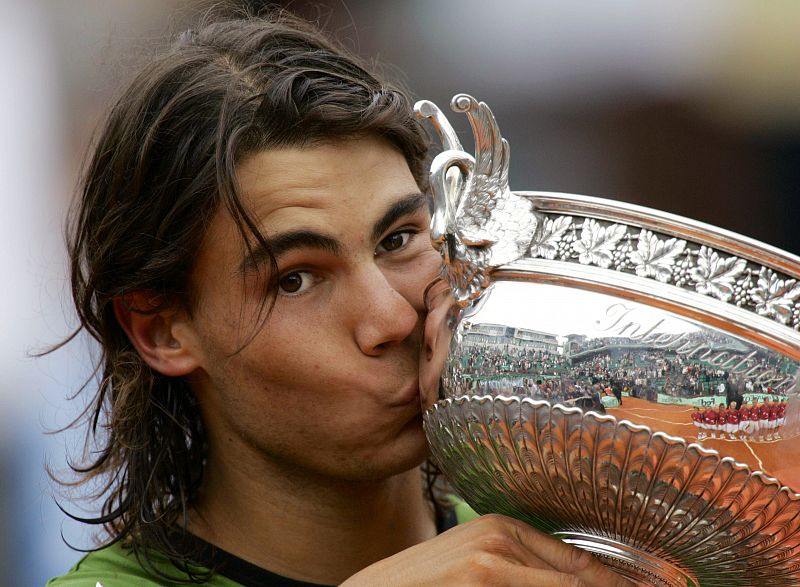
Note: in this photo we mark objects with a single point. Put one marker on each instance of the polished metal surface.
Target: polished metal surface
(621, 377)
(674, 512)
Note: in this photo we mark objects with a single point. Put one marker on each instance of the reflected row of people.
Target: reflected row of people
(643, 374)
(753, 420)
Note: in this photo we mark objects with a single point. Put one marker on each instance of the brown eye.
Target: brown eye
(294, 283)
(394, 241)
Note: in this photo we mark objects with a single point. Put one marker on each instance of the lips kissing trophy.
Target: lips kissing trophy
(622, 378)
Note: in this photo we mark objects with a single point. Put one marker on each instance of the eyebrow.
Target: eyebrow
(282, 243)
(403, 207)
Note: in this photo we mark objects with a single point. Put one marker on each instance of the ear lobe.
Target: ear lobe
(161, 337)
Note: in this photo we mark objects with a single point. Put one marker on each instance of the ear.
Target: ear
(163, 338)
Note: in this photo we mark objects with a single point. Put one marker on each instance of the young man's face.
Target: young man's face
(329, 383)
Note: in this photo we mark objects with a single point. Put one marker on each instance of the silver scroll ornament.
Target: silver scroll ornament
(478, 222)
(621, 377)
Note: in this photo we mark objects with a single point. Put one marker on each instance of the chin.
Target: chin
(414, 448)
(408, 451)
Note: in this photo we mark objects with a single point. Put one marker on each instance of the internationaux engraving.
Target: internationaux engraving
(619, 320)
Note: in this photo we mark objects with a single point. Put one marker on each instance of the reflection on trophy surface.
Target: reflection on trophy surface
(623, 378)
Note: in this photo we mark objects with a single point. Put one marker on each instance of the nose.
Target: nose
(383, 316)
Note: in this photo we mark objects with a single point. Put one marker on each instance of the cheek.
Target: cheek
(411, 283)
(226, 321)
(294, 352)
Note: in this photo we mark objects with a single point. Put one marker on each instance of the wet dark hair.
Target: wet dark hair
(163, 164)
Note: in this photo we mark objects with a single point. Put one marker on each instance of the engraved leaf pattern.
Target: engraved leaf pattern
(546, 242)
(714, 275)
(597, 243)
(775, 297)
(654, 257)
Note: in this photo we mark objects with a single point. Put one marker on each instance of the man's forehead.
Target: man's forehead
(346, 173)
(320, 164)
(339, 189)
(288, 173)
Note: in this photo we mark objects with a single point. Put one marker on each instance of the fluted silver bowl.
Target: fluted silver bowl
(577, 351)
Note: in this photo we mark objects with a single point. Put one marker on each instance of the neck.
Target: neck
(281, 519)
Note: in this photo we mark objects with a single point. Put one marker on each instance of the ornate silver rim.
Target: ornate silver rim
(668, 249)
(664, 222)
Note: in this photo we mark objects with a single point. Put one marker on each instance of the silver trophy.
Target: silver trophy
(622, 378)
